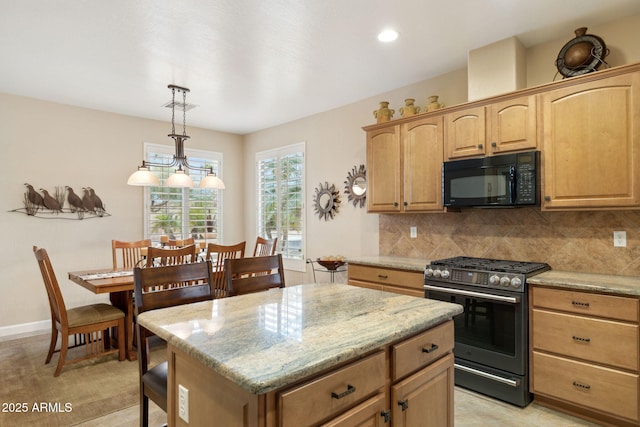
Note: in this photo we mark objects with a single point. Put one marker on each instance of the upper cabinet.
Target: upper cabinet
(494, 128)
(404, 164)
(590, 146)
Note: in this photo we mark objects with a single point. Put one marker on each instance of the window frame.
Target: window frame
(279, 152)
(214, 156)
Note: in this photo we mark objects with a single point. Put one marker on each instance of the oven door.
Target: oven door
(492, 330)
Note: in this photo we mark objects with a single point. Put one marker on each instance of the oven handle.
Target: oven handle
(507, 381)
(512, 300)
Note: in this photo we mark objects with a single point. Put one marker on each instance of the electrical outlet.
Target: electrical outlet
(620, 239)
(183, 403)
(413, 232)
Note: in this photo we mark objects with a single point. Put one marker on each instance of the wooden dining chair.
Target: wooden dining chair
(218, 254)
(152, 292)
(265, 247)
(91, 321)
(247, 275)
(170, 256)
(178, 243)
(130, 253)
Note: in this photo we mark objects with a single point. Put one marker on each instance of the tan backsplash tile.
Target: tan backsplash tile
(572, 241)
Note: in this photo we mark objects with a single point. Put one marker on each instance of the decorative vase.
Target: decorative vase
(409, 109)
(384, 113)
(433, 104)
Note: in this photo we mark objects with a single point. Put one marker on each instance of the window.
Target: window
(280, 193)
(183, 212)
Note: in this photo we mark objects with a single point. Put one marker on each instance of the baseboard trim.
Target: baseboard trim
(22, 330)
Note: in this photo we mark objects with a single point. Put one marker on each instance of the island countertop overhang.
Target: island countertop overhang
(267, 340)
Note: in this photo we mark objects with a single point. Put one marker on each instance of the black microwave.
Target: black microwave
(505, 180)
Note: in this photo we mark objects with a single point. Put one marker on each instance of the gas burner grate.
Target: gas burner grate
(488, 264)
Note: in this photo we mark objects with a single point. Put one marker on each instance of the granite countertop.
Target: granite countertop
(400, 263)
(266, 340)
(609, 283)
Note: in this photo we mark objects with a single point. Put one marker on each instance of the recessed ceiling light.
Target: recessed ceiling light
(388, 36)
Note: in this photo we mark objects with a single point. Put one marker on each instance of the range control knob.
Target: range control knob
(428, 272)
(444, 274)
(494, 279)
(505, 281)
(516, 282)
(436, 273)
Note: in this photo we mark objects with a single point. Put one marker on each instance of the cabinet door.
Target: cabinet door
(512, 125)
(465, 133)
(370, 413)
(383, 164)
(426, 398)
(590, 144)
(422, 162)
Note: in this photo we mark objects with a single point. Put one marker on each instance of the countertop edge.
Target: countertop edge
(601, 283)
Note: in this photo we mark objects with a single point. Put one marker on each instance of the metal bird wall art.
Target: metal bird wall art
(62, 203)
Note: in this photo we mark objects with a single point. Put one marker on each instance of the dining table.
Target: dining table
(118, 283)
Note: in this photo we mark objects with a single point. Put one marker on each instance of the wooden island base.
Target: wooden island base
(410, 382)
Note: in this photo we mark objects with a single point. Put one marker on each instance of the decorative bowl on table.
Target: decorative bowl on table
(330, 264)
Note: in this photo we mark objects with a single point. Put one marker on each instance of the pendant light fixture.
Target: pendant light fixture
(144, 177)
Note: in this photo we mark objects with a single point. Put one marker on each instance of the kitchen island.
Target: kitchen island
(306, 355)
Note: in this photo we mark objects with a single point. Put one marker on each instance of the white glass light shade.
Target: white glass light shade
(211, 181)
(143, 177)
(179, 179)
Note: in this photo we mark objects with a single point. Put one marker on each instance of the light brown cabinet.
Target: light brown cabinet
(404, 166)
(406, 383)
(591, 144)
(494, 128)
(585, 353)
(386, 279)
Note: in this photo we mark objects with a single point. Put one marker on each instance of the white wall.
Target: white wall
(47, 145)
(335, 143)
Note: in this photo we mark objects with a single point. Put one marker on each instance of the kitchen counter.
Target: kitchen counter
(267, 340)
(399, 263)
(606, 283)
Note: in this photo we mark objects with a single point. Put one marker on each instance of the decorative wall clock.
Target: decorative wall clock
(326, 201)
(583, 54)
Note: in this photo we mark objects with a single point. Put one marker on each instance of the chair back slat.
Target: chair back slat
(130, 253)
(247, 275)
(170, 256)
(265, 247)
(218, 254)
(178, 243)
(56, 301)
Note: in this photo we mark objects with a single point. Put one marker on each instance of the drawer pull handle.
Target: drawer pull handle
(404, 404)
(582, 386)
(580, 339)
(431, 349)
(350, 389)
(383, 276)
(580, 304)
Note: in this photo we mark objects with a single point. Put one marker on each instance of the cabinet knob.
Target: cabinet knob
(404, 404)
(395, 204)
(480, 146)
(547, 198)
(406, 204)
(494, 144)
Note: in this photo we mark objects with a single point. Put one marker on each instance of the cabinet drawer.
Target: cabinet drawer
(409, 279)
(414, 353)
(368, 413)
(595, 387)
(596, 340)
(333, 393)
(585, 303)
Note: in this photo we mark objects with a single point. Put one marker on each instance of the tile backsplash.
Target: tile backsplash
(570, 241)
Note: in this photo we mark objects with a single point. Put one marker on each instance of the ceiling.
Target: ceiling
(254, 64)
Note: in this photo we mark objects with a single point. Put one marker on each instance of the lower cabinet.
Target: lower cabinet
(387, 279)
(404, 384)
(585, 354)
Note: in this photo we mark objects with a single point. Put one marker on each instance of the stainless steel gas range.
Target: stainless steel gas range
(491, 336)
